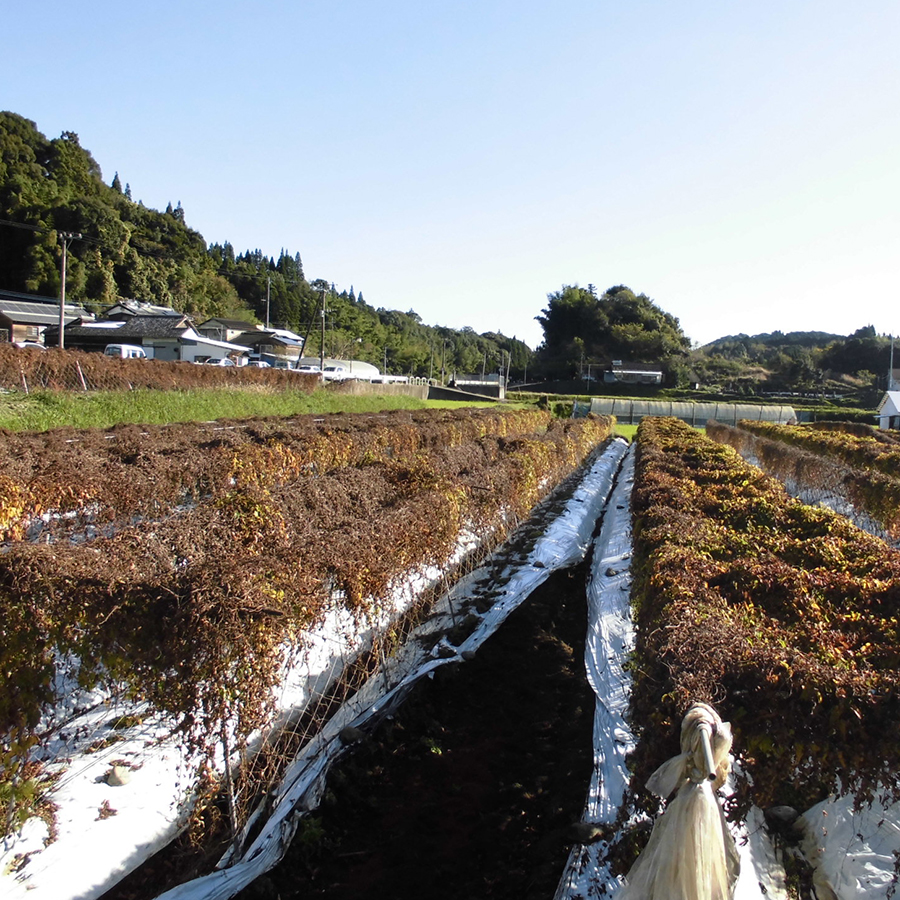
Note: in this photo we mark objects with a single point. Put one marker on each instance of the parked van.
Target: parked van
(334, 373)
(125, 351)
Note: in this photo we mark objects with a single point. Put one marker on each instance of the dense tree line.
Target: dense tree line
(582, 327)
(126, 250)
(806, 361)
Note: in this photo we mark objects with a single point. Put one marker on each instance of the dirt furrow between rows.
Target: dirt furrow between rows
(473, 788)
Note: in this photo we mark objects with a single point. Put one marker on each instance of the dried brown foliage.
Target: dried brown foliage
(193, 606)
(784, 616)
(74, 370)
(860, 447)
(815, 465)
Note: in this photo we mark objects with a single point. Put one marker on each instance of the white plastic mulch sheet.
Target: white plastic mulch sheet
(610, 639)
(855, 853)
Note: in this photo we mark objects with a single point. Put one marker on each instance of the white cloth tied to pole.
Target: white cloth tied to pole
(691, 854)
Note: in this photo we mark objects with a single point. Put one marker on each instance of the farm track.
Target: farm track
(472, 789)
(469, 791)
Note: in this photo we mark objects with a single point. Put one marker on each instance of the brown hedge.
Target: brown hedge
(193, 610)
(784, 616)
(29, 370)
(790, 456)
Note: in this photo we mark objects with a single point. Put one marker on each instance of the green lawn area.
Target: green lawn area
(626, 431)
(43, 410)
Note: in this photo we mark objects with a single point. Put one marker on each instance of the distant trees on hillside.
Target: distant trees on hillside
(801, 361)
(580, 325)
(128, 250)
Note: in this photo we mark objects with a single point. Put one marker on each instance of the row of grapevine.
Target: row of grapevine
(196, 611)
(57, 482)
(784, 616)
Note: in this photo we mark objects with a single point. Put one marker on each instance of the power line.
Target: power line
(24, 225)
(44, 230)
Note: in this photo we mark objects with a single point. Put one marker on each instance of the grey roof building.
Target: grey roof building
(25, 317)
(142, 330)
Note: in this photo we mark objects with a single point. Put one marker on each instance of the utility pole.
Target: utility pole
(67, 237)
(268, 292)
(890, 378)
(322, 340)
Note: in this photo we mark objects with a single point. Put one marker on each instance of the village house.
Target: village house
(889, 410)
(163, 333)
(276, 346)
(632, 373)
(25, 317)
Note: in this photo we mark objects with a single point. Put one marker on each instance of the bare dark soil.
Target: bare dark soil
(473, 788)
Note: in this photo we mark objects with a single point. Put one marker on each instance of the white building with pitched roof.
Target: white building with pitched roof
(889, 410)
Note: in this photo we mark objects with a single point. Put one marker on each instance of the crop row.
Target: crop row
(197, 613)
(784, 616)
(806, 467)
(60, 480)
(859, 447)
(76, 370)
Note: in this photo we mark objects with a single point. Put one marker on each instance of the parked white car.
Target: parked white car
(334, 373)
(125, 351)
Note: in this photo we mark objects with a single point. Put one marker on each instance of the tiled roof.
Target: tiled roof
(135, 327)
(255, 338)
(230, 324)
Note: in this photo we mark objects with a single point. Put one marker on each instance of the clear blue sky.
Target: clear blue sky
(737, 162)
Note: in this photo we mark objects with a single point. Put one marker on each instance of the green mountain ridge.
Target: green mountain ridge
(790, 338)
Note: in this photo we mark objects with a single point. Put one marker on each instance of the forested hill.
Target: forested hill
(129, 251)
(797, 360)
(729, 344)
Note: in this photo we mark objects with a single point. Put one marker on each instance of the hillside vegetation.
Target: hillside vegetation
(49, 187)
(126, 249)
(812, 364)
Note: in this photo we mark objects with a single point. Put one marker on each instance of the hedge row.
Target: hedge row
(197, 611)
(75, 477)
(789, 457)
(784, 616)
(28, 370)
(859, 447)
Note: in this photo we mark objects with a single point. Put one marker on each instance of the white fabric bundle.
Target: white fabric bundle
(691, 854)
